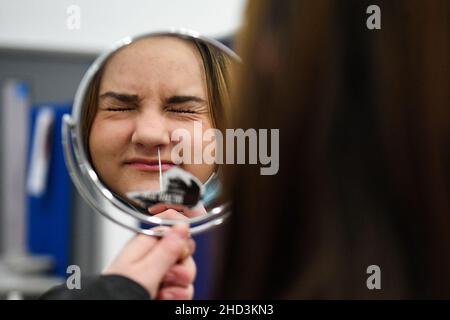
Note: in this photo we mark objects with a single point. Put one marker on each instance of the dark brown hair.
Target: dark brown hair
(364, 178)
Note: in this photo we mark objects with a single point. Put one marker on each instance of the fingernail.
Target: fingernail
(186, 253)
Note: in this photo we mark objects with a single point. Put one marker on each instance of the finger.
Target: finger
(161, 207)
(172, 215)
(191, 249)
(168, 251)
(194, 212)
(137, 247)
(176, 293)
(161, 229)
(182, 274)
(188, 212)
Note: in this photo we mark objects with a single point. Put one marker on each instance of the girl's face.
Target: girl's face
(148, 90)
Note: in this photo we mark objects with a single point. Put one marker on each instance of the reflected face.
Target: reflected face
(148, 89)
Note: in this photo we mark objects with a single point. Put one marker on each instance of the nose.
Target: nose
(150, 131)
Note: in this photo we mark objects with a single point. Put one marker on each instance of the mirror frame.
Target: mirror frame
(86, 179)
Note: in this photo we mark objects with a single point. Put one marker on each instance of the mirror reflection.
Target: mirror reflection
(143, 122)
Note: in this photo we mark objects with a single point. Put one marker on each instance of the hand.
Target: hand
(176, 212)
(147, 260)
(178, 282)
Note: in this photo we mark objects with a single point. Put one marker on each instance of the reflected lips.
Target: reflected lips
(150, 165)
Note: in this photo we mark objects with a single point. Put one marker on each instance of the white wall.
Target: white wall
(42, 24)
(110, 239)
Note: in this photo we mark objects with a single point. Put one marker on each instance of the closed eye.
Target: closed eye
(186, 104)
(119, 109)
(180, 110)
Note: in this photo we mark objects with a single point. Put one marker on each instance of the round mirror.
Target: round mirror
(140, 144)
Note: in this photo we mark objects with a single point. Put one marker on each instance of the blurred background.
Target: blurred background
(45, 48)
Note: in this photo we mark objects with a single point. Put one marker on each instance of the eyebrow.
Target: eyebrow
(133, 98)
(183, 99)
(124, 97)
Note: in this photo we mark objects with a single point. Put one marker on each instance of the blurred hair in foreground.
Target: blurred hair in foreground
(364, 177)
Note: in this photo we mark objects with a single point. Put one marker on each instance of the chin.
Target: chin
(144, 186)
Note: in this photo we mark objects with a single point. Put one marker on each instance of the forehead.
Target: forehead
(155, 64)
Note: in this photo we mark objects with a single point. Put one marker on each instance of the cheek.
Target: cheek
(207, 141)
(204, 170)
(107, 139)
(196, 130)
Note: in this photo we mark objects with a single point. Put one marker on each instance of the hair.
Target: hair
(364, 177)
(217, 66)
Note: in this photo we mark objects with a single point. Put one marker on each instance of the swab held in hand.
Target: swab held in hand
(160, 172)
